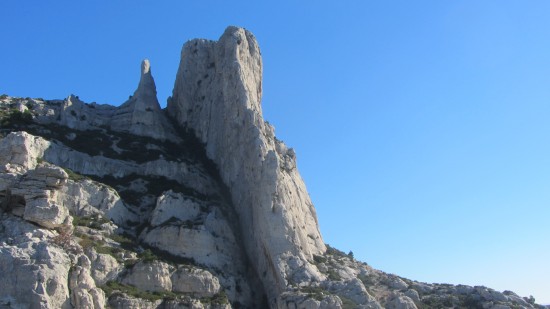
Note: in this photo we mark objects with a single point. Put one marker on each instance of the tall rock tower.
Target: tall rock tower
(217, 94)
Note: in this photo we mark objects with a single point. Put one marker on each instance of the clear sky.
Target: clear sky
(421, 127)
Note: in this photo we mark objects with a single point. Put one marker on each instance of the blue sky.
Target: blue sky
(421, 127)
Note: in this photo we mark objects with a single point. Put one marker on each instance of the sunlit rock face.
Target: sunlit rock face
(218, 94)
(194, 206)
(141, 114)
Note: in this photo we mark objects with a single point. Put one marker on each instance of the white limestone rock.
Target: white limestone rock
(20, 151)
(141, 114)
(217, 94)
(396, 283)
(34, 271)
(150, 276)
(174, 205)
(296, 300)
(84, 292)
(189, 175)
(413, 294)
(104, 267)
(39, 190)
(198, 282)
(194, 243)
(352, 289)
(123, 301)
(490, 294)
(90, 198)
(399, 301)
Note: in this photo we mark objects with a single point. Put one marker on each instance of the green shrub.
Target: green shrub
(319, 259)
(367, 281)
(86, 242)
(347, 303)
(112, 251)
(335, 252)
(315, 292)
(218, 299)
(113, 286)
(16, 118)
(125, 242)
(74, 176)
(93, 222)
(333, 275)
(148, 256)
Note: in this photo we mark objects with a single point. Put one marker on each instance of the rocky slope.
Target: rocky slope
(195, 206)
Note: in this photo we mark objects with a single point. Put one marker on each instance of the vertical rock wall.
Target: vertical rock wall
(217, 93)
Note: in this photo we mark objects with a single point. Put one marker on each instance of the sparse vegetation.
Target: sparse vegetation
(318, 259)
(15, 119)
(148, 256)
(218, 299)
(74, 176)
(125, 242)
(333, 275)
(315, 292)
(94, 222)
(111, 287)
(347, 303)
(100, 247)
(335, 252)
(156, 185)
(367, 281)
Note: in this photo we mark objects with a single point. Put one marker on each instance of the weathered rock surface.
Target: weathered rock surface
(141, 114)
(173, 220)
(217, 93)
(154, 276)
(104, 267)
(195, 281)
(398, 301)
(84, 293)
(34, 272)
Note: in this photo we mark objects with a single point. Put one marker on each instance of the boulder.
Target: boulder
(20, 151)
(399, 301)
(39, 191)
(195, 281)
(150, 276)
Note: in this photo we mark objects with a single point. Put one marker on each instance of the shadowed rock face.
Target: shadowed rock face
(217, 94)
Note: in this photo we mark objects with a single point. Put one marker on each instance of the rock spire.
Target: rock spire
(141, 114)
(217, 94)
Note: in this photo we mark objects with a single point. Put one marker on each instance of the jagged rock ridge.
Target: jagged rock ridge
(195, 206)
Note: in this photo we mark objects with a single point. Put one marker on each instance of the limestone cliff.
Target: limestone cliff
(195, 206)
(218, 94)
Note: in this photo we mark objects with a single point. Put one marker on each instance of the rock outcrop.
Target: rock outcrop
(217, 94)
(141, 114)
(34, 272)
(195, 206)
